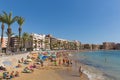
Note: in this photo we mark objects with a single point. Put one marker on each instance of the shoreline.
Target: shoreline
(92, 72)
(89, 72)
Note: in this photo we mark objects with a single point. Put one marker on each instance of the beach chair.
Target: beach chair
(26, 71)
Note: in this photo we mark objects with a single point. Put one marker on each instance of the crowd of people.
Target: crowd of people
(31, 63)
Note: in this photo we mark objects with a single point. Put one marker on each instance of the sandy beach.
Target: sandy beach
(50, 75)
(50, 72)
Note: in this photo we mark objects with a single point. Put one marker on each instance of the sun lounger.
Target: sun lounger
(26, 71)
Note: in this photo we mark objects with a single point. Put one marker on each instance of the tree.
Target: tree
(20, 21)
(10, 34)
(35, 42)
(2, 28)
(9, 20)
(59, 44)
(25, 38)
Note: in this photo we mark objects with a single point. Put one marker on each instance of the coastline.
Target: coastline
(92, 72)
(58, 72)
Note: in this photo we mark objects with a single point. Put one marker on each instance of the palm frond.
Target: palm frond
(14, 19)
(20, 21)
(9, 19)
(2, 18)
(10, 34)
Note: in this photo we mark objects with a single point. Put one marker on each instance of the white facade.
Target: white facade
(38, 41)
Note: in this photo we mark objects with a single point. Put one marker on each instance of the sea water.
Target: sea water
(107, 62)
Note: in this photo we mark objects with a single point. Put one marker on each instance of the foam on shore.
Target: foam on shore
(90, 71)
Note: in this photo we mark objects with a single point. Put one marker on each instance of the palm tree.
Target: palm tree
(20, 21)
(10, 34)
(9, 20)
(41, 42)
(59, 44)
(25, 38)
(47, 44)
(2, 27)
(35, 42)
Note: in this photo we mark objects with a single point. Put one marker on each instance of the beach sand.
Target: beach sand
(51, 75)
(48, 73)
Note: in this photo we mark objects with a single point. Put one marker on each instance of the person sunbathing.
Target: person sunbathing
(34, 66)
(18, 66)
(6, 75)
(26, 62)
(12, 74)
(16, 74)
(2, 68)
(27, 70)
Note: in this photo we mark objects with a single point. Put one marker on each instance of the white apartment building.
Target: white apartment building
(38, 41)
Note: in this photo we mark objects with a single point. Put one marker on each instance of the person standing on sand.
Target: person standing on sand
(80, 71)
(63, 61)
(59, 62)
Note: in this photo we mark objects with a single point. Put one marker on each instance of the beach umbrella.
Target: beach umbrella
(44, 57)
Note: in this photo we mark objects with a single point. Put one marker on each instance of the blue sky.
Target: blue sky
(89, 21)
